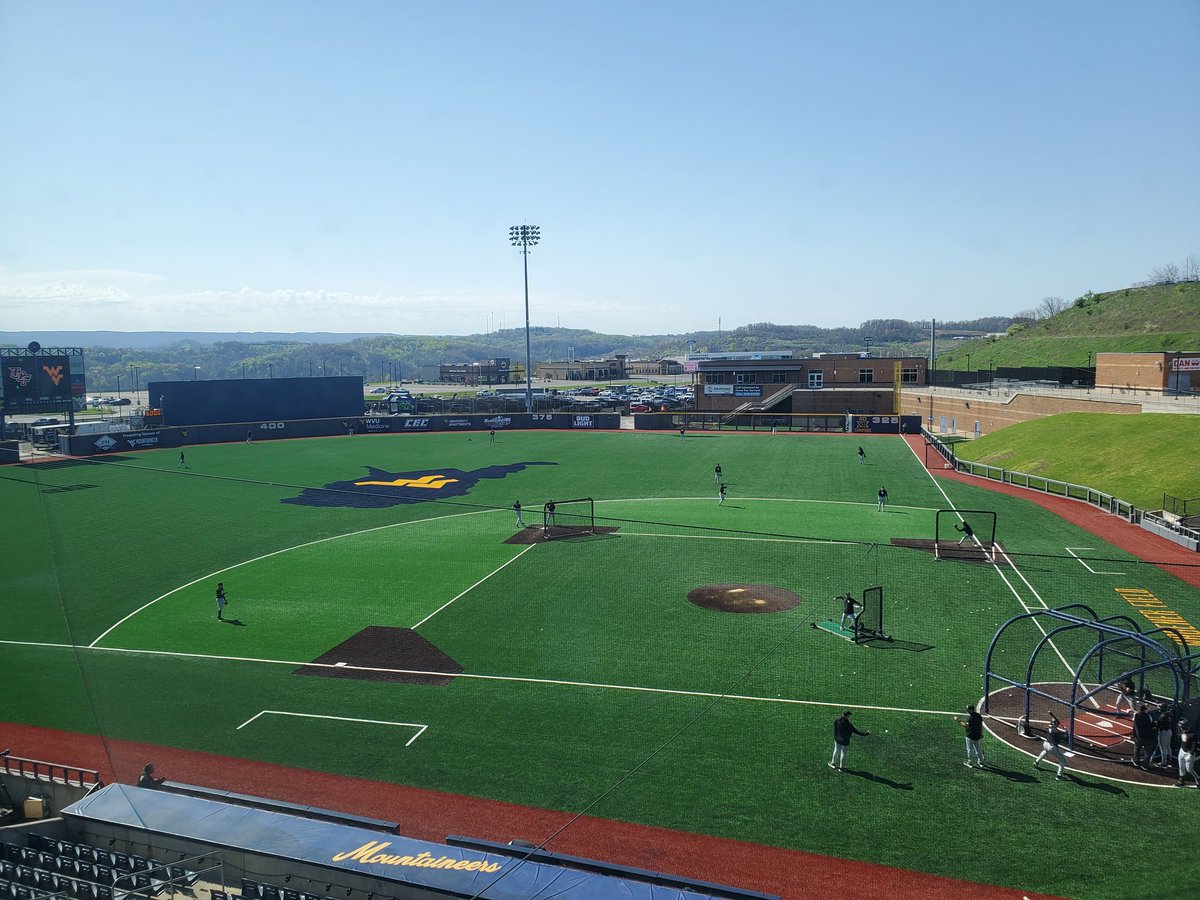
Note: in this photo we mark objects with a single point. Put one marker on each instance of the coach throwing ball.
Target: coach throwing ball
(843, 728)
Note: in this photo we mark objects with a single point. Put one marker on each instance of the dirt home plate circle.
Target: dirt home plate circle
(743, 598)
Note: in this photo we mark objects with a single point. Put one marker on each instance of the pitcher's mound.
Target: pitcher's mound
(743, 598)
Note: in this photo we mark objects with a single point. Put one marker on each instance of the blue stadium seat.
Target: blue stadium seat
(218, 895)
(270, 892)
(251, 889)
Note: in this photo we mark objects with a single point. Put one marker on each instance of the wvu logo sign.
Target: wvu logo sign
(382, 489)
(55, 373)
(19, 375)
(433, 482)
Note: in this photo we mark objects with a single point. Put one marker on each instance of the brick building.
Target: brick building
(775, 382)
(1176, 371)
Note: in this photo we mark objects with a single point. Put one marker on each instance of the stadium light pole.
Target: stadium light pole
(195, 373)
(526, 236)
(118, 387)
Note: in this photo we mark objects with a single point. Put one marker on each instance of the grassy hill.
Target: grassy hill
(1157, 317)
(1136, 458)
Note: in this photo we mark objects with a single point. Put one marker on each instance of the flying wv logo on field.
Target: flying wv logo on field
(381, 489)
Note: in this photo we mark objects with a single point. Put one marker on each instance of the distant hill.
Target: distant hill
(382, 357)
(147, 339)
(1154, 317)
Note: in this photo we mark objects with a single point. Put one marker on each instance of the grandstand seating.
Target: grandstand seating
(48, 865)
(77, 871)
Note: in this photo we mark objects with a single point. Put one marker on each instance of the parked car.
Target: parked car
(378, 390)
(46, 421)
(122, 401)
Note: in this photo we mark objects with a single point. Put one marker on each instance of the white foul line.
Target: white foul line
(472, 587)
(279, 712)
(1072, 550)
(514, 679)
(997, 549)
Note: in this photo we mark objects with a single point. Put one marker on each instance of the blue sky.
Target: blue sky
(355, 166)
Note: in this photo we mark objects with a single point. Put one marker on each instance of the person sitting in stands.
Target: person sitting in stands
(147, 779)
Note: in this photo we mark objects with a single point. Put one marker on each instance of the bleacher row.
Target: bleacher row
(83, 872)
(259, 890)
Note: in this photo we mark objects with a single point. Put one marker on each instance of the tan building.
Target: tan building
(829, 382)
(583, 369)
(653, 368)
(1177, 371)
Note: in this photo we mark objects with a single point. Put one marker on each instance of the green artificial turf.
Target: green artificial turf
(590, 680)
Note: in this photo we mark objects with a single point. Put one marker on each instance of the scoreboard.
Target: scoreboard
(39, 381)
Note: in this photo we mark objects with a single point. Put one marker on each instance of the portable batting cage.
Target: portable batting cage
(1071, 663)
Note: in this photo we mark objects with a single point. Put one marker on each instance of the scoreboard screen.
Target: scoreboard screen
(34, 381)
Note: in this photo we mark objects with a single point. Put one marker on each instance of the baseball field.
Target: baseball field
(388, 619)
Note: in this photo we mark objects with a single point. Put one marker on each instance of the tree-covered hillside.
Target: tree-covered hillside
(381, 358)
(1153, 317)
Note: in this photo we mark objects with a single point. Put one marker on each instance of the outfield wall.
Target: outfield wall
(962, 412)
(153, 438)
(784, 422)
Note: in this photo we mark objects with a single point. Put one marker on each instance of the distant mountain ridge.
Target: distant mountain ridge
(115, 359)
(150, 339)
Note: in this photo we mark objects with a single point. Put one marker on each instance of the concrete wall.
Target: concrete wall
(962, 411)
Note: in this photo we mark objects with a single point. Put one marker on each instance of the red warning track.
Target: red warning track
(1182, 563)
(430, 815)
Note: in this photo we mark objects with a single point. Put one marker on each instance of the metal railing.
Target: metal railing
(1182, 508)
(1052, 486)
(47, 771)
